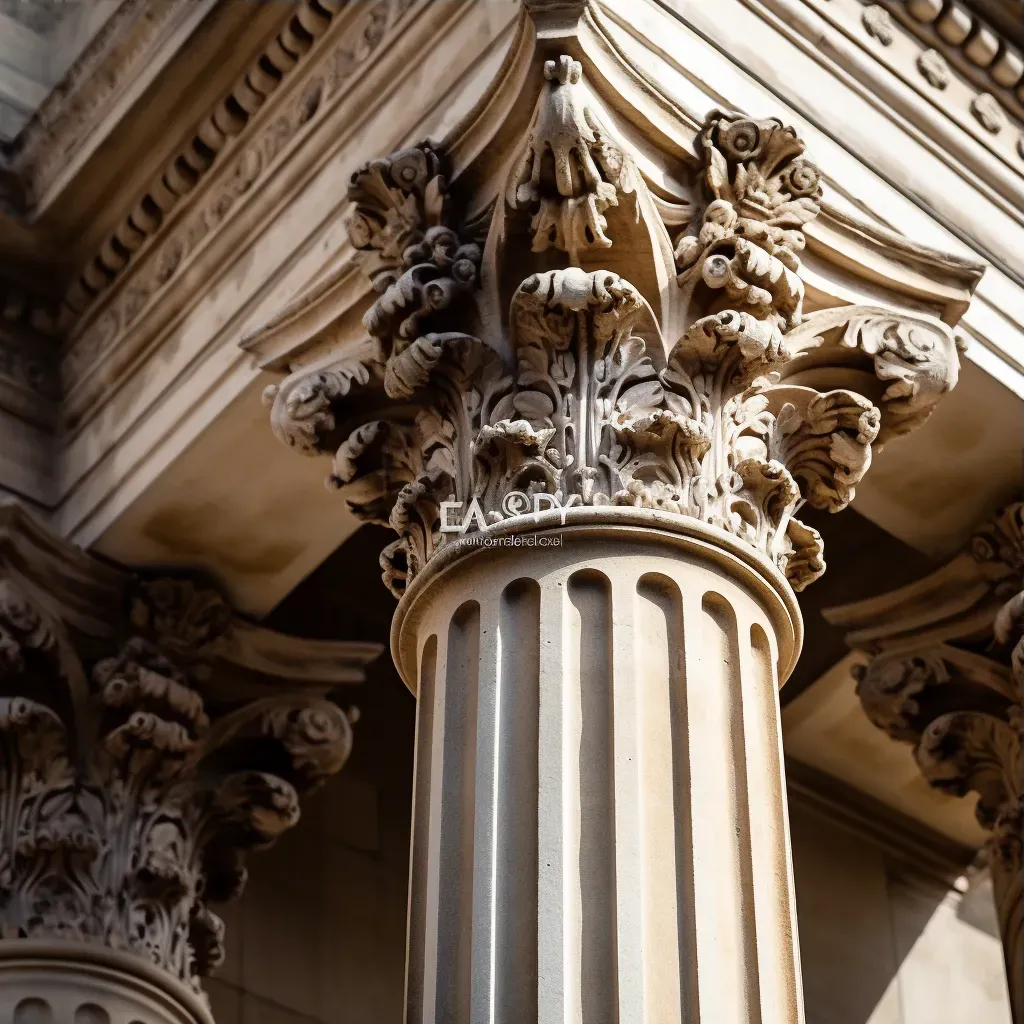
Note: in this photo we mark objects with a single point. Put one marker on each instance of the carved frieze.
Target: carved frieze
(232, 151)
(564, 384)
(135, 778)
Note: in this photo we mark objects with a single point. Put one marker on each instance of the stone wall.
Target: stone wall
(883, 943)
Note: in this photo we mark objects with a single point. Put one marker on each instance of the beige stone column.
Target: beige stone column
(600, 829)
(947, 676)
(600, 821)
(148, 741)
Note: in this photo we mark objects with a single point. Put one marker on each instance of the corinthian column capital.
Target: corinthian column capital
(731, 406)
(149, 742)
(947, 676)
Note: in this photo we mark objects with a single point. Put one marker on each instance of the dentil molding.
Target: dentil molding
(949, 55)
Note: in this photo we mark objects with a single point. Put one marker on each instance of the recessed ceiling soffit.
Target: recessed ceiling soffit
(601, 297)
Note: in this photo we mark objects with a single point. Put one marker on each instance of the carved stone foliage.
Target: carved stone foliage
(563, 384)
(131, 790)
(571, 170)
(960, 700)
(418, 263)
(759, 193)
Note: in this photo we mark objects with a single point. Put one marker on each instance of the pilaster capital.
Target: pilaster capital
(947, 673)
(150, 740)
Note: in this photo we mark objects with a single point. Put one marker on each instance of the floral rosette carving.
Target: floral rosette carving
(421, 269)
(131, 799)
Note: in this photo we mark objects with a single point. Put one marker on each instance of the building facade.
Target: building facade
(594, 316)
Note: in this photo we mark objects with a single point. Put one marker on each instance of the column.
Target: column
(147, 743)
(600, 829)
(963, 711)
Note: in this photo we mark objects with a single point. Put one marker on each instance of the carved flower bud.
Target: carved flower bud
(722, 213)
(740, 140)
(688, 249)
(565, 70)
(802, 178)
(409, 169)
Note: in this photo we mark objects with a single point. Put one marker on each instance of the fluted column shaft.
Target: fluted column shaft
(600, 830)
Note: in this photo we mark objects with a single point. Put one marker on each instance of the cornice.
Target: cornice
(302, 96)
(948, 57)
(874, 253)
(126, 55)
(227, 120)
(980, 52)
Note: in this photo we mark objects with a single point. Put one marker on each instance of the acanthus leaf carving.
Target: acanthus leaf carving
(127, 813)
(915, 357)
(417, 261)
(753, 412)
(998, 547)
(302, 408)
(747, 237)
(592, 410)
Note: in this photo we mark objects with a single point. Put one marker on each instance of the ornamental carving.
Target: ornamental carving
(934, 68)
(571, 170)
(989, 113)
(135, 782)
(759, 191)
(878, 23)
(499, 376)
(418, 263)
(960, 701)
